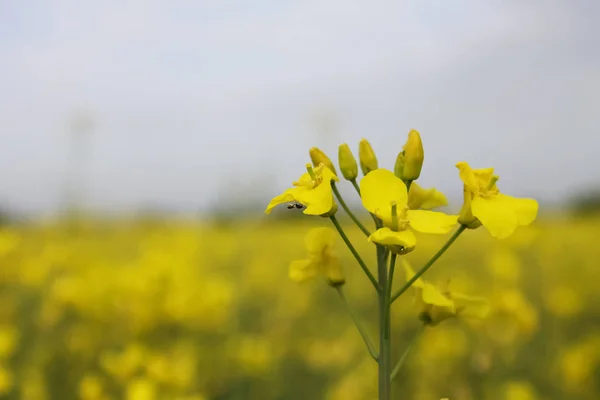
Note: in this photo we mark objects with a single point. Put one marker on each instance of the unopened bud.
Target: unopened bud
(318, 157)
(366, 155)
(347, 162)
(413, 156)
(399, 167)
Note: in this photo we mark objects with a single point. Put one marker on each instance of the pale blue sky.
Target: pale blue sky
(198, 102)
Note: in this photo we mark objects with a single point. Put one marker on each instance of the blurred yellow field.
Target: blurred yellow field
(186, 310)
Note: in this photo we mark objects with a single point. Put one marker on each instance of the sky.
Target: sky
(190, 105)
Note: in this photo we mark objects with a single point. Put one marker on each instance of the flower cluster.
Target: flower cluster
(400, 208)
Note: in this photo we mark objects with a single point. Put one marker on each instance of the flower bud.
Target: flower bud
(399, 167)
(318, 157)
(366, 155)
(413, 156)
(347, 162)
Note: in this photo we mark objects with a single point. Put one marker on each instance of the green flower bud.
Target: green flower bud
(366, 156)
(347, 162)
(318, 157)
(413, 156)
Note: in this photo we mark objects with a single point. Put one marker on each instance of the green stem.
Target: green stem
(384, 326)
(359, 326)
(355, 184)
(375, 219)
(347, 209)
(408, 183)
(406, 352)
(429, 263)
(391, 278)
(355, 253)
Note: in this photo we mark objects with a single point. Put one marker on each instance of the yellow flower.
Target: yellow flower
(366, 157)
(384, 195)
(426, 199)
(312, 190)
(484, 204)
(437, 303)
(321, 259)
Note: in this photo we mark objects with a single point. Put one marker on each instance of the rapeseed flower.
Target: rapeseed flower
(320, 243)
(437, 303)
(312, 190)
(485, 205)
(385, 196)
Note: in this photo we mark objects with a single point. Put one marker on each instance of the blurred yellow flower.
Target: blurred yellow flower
(312, 190)
(498, 213)
(6, 380)
(385, 196)
(437, 303)
(141, 389)
(519, 390)
(320, 243)
(91, 388)
(9, 339)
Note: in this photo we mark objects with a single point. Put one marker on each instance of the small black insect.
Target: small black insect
(295, 205)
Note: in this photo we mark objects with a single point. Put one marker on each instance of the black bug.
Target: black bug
(295, 205)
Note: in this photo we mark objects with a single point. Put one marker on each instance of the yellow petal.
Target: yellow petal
(318, 201)
(425, 199)
(328, 175)
(524, 209)
(388, 237)
(483, 177)
(467, 175)
(318, 240)
(471, 306)
(332, 268)
(496, 214)
(431, 221)
(431, 295)
(302, 270)
(379, 189)
(286, 197)
(305, 181)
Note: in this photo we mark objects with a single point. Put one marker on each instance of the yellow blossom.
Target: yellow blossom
(321, 258)
(499, 213)
(384, 195)
(366, 156)
(347, 162)
(425, 199)
(437, 303)
(312, 190)
(318, 157)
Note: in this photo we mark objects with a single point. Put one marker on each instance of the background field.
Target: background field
(175, 309)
